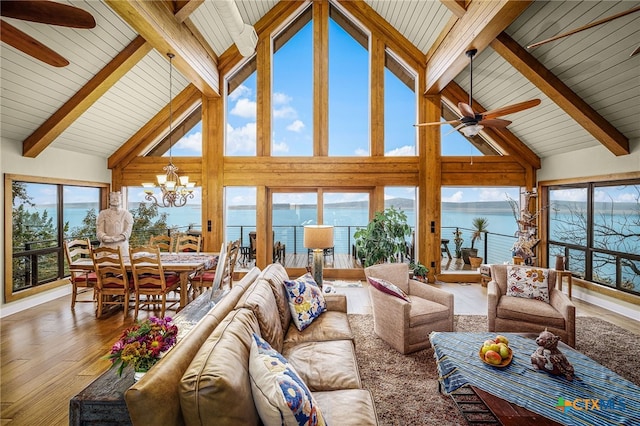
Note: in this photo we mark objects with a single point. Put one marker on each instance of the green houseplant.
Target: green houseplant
(384, 238)
(419, 271)
(479, 225)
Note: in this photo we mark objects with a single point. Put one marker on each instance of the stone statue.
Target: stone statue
(114, 225)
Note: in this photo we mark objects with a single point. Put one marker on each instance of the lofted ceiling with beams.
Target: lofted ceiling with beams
(117, 81)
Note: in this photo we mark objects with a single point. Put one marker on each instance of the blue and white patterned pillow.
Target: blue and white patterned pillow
(281, 397)
(306, 301)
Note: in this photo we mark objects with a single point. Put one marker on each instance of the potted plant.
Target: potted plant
(384, 238)
(480, 225)
(419, 271)
(457, 240)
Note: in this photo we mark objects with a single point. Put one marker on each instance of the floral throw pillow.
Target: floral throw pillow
(389, 288)
(531, 283)
(281, 397)
(306, 301)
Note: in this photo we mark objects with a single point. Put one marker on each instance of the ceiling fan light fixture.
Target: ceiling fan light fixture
(471, 130)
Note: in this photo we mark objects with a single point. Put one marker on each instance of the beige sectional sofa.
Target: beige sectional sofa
(205, 379)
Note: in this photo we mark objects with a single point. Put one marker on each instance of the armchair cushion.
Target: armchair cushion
(425, 311)
(530, 283)
(389, 288)
(306, 301)
(531, 311)
(280, 395)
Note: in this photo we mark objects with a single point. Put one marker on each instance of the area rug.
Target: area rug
(405, 387)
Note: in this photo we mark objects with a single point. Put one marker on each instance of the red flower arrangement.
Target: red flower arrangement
(142, 344)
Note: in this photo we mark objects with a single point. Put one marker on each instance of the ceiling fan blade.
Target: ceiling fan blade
(436, 123)
(585, 27)
(466, 110)
(510, 109)
(496, 122)
(635, 52)
(47, 12)
(29, 45)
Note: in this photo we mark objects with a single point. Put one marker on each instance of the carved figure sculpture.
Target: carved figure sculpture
(114, 225)
(549, 358)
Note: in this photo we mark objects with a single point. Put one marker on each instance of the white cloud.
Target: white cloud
(361, 152)
(191, 142)
(280, 98)
(571, 195)
(454, 198)
(280, 147)
(242, 139)
(296, 126)
(241, 91)
(285, 112)
(245, 108)
(403, 151)
(491, 194)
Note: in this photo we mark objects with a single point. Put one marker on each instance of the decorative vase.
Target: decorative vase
(137, 375)
(559, 263)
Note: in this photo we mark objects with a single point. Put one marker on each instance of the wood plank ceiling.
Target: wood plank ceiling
(117, 81)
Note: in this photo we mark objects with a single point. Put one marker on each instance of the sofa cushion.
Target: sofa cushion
(348, 407)
(425, 311)
(388, 288)
(275, 274)
(530, 283)
(305, 300)
(331, 325)
(280, 395)
(329, 365)
(260, 299)
(529, 310)
(216, 387)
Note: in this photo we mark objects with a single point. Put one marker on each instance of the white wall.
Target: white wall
(589, 162)
(54, 163)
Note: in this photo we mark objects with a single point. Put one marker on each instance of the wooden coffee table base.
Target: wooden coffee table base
(509, 414)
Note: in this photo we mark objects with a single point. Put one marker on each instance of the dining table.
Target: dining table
(182, 263)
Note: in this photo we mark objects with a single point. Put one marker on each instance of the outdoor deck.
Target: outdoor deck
(346, 261)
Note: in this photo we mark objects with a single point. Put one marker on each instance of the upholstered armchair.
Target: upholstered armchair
(406, 324)
(521, 314)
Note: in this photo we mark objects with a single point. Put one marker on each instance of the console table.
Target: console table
(102, 402)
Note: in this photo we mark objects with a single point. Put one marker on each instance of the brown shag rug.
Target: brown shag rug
(405, 387)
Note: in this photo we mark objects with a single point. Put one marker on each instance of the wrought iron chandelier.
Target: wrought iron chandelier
(175, 190)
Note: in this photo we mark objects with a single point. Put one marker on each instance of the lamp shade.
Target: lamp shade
(318, 236)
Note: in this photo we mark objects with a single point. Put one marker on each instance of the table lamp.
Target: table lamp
(318, 238)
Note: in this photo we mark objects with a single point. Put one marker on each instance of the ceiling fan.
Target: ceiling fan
(471, 123)
(586, 27)
(44, 12)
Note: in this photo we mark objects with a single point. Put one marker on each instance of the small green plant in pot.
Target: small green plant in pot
(419, 271)
(480, 225)
(384, 238)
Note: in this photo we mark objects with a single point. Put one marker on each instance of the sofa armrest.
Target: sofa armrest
(428, 292)
(493, 297)
(336, 302)
(567, 309)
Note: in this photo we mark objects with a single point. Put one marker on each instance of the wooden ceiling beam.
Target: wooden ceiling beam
(158, 25)
(561, 94)
(99, 84)
(153, 129)
(513, 146)
(481, 23)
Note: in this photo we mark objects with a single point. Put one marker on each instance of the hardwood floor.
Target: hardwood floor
(49, 353)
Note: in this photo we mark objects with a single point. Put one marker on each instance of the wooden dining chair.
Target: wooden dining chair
(113, 285)
(73, 251)
(150, 279)
(164, 242)
(188, 243)
(206, 278)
